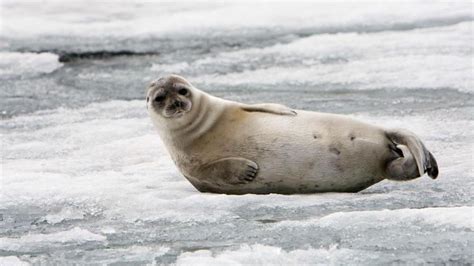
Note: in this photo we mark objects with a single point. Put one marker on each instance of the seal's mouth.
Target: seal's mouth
(173, 114)
(176, 114)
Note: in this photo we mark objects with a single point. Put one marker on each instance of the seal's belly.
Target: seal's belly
(310, 152)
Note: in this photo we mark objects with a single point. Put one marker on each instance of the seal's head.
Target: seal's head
(169, 97)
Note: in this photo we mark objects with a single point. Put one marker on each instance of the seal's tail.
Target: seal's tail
(415, 159)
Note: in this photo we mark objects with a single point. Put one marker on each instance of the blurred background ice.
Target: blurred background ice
(85, 178)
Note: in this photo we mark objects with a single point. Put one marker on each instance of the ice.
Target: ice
(27, 65)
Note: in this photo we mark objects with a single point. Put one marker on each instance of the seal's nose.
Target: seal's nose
(160, 98)
(178, 103)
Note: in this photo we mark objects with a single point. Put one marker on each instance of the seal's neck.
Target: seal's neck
(184, 131)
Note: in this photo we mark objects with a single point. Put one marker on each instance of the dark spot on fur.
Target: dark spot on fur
(316, 136)
(337, 165)
(352, 137)
(316, 186)
(302, 188)
(334, 150)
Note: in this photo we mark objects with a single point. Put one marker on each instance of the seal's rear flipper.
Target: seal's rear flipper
(272, 108)
(415, 159)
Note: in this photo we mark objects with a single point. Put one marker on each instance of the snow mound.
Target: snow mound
(460, 217)
(27, 65)
(75, 235)
(12, 261)
(258, 254)
(66, 214)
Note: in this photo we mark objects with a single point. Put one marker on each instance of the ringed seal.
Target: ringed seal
(228, 147)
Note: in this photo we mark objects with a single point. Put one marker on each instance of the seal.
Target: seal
(228, 147)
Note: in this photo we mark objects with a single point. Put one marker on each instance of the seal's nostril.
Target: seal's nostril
(159, 98)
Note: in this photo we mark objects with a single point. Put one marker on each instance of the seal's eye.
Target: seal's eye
(159, 98)
(183, 92)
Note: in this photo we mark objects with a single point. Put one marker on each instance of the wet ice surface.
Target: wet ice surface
(86, 179)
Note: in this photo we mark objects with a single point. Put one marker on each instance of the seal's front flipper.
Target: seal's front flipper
(232, 170)
(272, 108)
